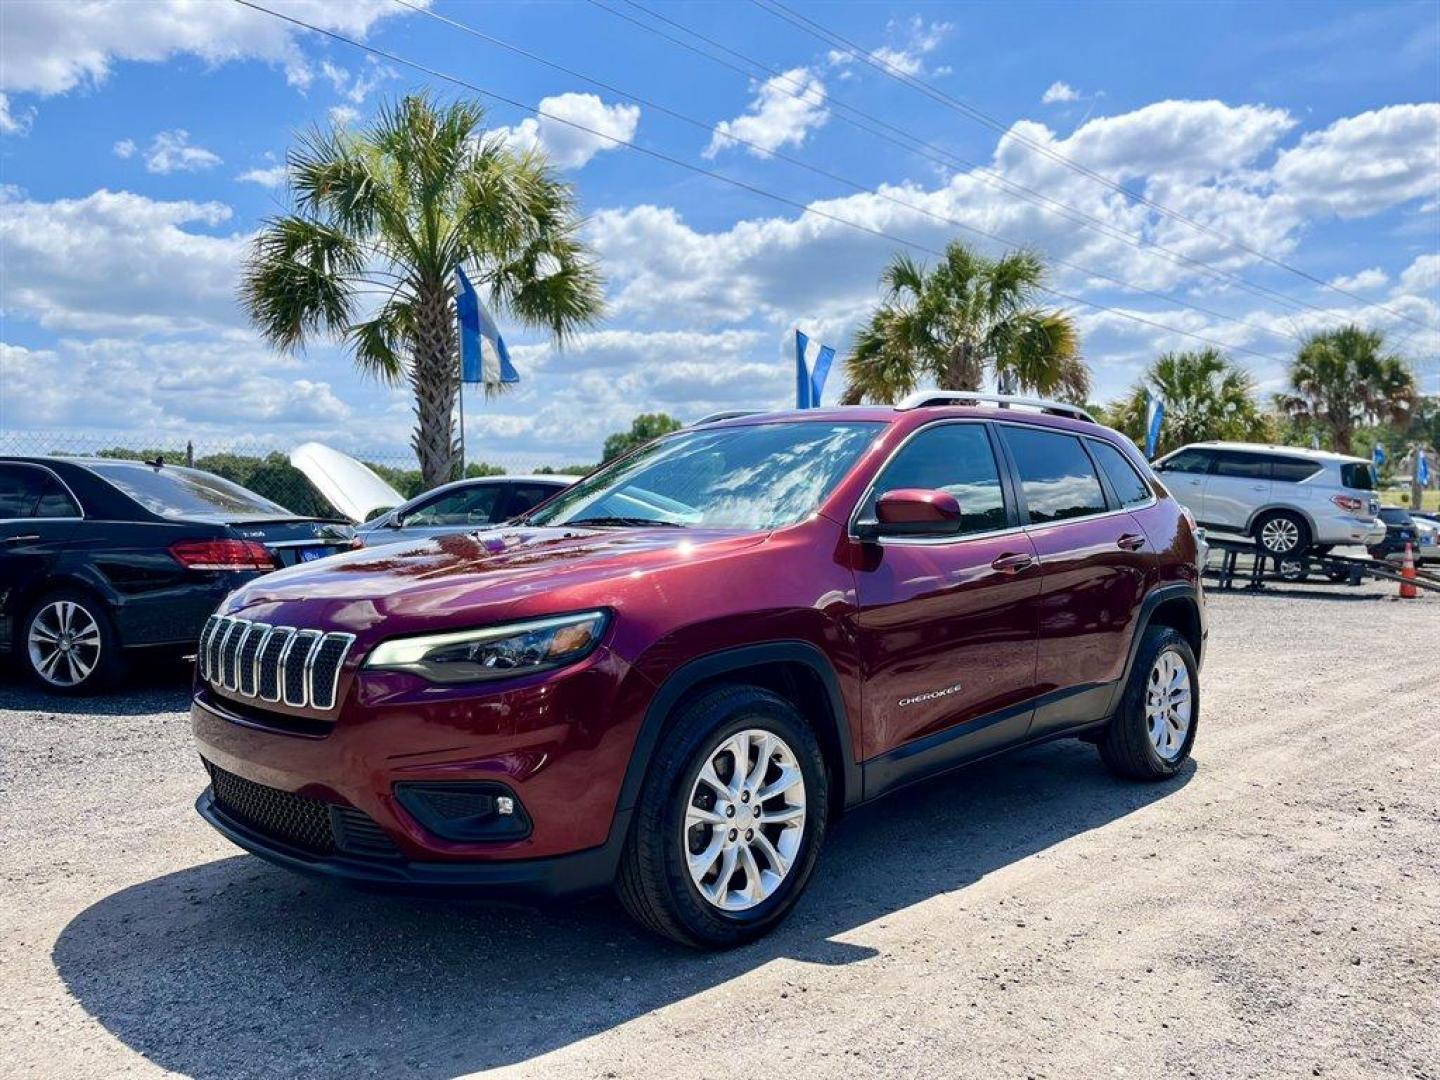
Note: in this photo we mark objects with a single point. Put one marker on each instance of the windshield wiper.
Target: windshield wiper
(627, 522)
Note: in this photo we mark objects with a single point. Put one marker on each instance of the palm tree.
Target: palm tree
(1206, 396)
(382, 218)
(968, 316)
(1343, 379)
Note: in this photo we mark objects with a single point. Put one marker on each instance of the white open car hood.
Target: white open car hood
(351, 486)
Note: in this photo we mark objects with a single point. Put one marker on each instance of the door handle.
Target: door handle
(1013, 564)
(1131, 542)
(21, 539)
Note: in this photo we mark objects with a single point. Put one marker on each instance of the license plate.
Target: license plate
(311, 554)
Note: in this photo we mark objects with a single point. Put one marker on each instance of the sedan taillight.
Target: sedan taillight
(1348, 503)
(222, 555)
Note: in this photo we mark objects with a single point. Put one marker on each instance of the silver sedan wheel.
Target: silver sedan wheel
(64, 643)
(744, 820)
(1168, 704)
(1280, 536)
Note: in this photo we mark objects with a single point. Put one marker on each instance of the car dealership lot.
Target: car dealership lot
(1274, 911)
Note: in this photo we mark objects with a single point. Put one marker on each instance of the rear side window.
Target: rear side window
(1122, 475)
(949, 457)
(524, 497)
(1359, 475)
(1292, 470)
(1189, 461)
(1056, 475)
(26, 492)
(1245, 466)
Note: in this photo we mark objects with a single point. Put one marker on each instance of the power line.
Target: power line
(733, 181)
(830, 37)
(709, 126)
(914, 144)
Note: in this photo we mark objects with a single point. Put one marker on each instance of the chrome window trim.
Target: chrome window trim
(59, 480)
(1107, 512)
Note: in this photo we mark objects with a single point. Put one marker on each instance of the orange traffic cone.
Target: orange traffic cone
(1407, 571)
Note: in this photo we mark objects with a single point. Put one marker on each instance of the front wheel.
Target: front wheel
(1152, 732)
(729, 822)
(69, 644)
(1281, 535)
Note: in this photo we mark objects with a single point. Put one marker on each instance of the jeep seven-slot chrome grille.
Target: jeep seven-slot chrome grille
(281, 664)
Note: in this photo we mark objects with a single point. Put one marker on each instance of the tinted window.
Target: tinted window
(1359, 475)
(174, 491)
(1188, 461)
(55, 501)
(20, 490)
(1395, 516)
(468, 506)
(1056, 475)
(752, 476)
(1240, 464)
(525, 497)
(1121, 474)
(1292, 470)
(949, 457)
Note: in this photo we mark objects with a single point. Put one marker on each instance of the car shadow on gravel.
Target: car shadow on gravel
(236, 968)
(150, 685)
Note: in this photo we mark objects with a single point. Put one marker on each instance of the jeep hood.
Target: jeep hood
(468, 578)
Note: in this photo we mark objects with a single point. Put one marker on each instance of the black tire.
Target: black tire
(1291, 524)
(1292, 570)
(108, 664)
(654, 882)
(1125, 744)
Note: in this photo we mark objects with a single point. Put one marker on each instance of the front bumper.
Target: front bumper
(563, 875)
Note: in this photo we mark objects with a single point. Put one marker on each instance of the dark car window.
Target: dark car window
(949, 457)
(1056, 475)
(1188, 461)
(468, 506)
(20, 489)
(1359, 475)
(1242, 465)
(1123, 478)
(55, 501)
(523, 497)
(1292, 470)
(175, 491)
(1394, 515)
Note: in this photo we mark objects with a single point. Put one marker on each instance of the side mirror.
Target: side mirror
(913, 512)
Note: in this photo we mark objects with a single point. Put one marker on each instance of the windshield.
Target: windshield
(759, 476)
(173, 491)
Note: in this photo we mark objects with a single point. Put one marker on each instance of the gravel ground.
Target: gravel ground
(1273, 912)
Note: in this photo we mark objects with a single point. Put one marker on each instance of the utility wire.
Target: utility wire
(709, 126)
(734, 182)
(816, 30)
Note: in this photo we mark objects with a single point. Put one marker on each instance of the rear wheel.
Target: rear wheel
(1282, 533)
(729, 823)
(69, 645)
(1152, 732)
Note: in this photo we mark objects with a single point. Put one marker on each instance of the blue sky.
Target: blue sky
(142, 143)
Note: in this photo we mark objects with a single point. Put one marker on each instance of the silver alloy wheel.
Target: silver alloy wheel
(1280, 536)
(744, 819)
(64, 643)
(1168, 704)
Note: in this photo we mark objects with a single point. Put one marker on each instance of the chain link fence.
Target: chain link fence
(255, 464)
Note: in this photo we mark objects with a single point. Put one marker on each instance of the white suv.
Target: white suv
(1291, 500)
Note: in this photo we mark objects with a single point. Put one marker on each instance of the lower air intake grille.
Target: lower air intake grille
(301, 822)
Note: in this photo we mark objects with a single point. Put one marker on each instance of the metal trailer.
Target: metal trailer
(1340, 569)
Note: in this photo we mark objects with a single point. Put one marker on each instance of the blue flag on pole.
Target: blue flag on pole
(812, 367)
(1379, 455)
(1154, 417)
(1422, 468)
(483, 356)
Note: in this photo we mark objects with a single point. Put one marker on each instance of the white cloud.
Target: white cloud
(1422, 277)
(921, 38)
(356, 88)
(1059, 92)
(271, 177)
(1372, 278)
(125, 148)
(170, 151)
(49, 48)
(343, 115)
(115, 262)
(784, 110)
(14, 123)
(570, 147)
(1361, 164)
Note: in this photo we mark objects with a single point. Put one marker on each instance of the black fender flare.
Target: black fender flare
(715, 665)
(1175, 590)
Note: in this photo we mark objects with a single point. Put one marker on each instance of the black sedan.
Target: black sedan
(100, 556)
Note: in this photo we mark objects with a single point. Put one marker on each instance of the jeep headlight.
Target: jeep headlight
(494, 652)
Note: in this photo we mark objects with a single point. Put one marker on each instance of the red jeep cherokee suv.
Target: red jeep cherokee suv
(672, 676)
